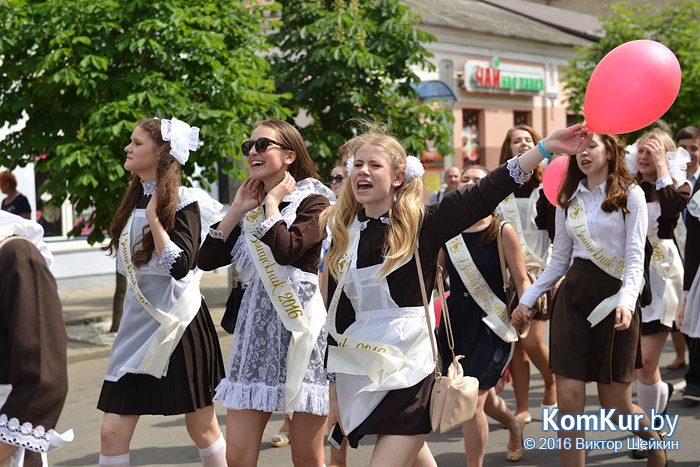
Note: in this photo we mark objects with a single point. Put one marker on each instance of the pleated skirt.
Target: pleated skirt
(402, 412)
(598, 353)
(194, 371)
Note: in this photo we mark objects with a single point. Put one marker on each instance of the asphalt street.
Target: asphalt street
(163, 440)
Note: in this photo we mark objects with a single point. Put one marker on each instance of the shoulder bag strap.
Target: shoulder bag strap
(427, 311)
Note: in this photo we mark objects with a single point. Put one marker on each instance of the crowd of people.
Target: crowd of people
(331, 329)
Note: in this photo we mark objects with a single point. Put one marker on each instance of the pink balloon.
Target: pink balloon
(632, 87)
(553, 178)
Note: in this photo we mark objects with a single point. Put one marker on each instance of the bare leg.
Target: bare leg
(307, 431)
(520, 371)
(244, 430)
(397, 450)
(572, 400)
(116, 433)
(619, 396)
(339, 458)
(203, 427)
(496, 408)
(679, 347)
(425, 457)
(535, 349)
(476, 432)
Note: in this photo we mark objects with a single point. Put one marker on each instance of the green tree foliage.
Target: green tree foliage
(343, 60)
(85, 71)
(677, 26)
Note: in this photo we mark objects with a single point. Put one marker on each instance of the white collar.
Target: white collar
(581, 188)
(149, 187)
(696, 175)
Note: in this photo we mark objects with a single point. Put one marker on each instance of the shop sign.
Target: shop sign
(497, 77)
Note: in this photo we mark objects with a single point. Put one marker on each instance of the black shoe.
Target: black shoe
(692, 393)
(639, 454)
(668, 399)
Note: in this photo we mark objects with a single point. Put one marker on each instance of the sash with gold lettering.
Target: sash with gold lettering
(601, 257)
(509, 209)
(172, 323)
(355, 356)
(497, 317)
(668, 269)
(304, 323)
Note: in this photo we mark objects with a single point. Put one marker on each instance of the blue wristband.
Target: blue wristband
(547, 155)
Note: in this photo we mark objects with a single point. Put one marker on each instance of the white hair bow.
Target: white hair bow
(183, 138)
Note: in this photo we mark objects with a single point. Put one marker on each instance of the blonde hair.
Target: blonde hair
(405, 215)
(669, 145)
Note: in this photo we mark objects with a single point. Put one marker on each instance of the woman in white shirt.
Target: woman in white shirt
(601, 223)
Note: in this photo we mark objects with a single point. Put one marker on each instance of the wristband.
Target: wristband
(547, 155)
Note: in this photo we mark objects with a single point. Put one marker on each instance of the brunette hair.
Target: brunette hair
(405, 215)
(536, 179)
(618, 181)
(167, 185)
(689, 132)
(8, 178)
(495, 224)
(302, 167)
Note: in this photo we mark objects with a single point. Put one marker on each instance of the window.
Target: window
(522, 118)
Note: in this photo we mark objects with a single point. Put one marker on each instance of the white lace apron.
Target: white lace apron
(148, 335)
(256, 378)
(364, 374)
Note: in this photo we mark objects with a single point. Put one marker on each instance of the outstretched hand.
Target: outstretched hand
(572, 140)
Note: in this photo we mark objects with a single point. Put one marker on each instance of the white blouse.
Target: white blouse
(621, 235)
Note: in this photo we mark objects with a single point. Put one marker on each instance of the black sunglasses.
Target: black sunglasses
(261, 145)
(335, 178)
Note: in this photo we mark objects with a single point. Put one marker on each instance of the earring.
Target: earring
(394, 197)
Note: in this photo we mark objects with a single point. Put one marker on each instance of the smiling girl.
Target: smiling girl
(166, 358)
(381, 353)
(271, 235)
(601, 223)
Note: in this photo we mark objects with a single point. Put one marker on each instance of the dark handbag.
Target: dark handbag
(228, 321)
(512, 298)
(645, 296)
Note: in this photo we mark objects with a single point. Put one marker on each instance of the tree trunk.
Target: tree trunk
(118, 302)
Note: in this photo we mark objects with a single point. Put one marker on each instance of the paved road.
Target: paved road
(163, 440)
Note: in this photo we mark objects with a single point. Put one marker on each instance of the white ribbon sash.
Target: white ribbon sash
(680, 232)
(601, 257)
(304, 324)
(496, 311)
(355, 356)
(666, 263)
(172, 323)
(509, 208)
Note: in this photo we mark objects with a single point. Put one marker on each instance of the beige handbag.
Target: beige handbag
(454, 396)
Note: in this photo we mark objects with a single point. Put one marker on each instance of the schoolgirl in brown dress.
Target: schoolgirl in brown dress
(380, 351)
(595, 326)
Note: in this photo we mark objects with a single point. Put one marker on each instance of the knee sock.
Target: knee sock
(663, 396)
(652, 396)
(114, 461)
(214, 455)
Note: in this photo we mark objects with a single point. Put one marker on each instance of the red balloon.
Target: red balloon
(553, 177)
(632, 87)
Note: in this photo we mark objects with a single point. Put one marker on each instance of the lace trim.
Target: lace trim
(313, 398)
(216, 233)
(516, 172)
(25, 435)
(266, 225)
(149, 187)
(170, 254)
